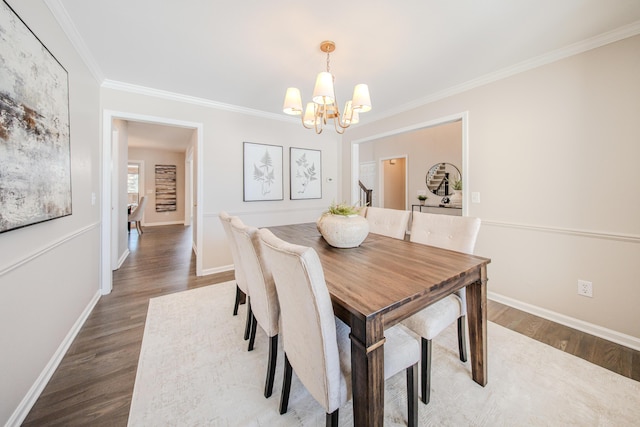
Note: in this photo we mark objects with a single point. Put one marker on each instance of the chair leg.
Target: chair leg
(139, 227)
(271, 366)
(412, 395)
(425, 383)
(286, 385)
(252, 335)
(240, 299)
(462, 338)
(247, 326)
(332, 419)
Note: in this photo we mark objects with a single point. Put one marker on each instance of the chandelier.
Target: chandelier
(325, 104)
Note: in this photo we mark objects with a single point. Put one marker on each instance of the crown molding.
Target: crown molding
(202, 102)
(618, 34)
(63, 18)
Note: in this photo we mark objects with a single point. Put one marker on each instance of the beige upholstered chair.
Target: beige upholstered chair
(317, 345)
(242, 289)
(265, 309)
(388, 222)
(458, 234)
(136, 215)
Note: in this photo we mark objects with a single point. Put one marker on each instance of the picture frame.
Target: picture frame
(262, 172)
(35, 183)
(305, 171)
(166, 194)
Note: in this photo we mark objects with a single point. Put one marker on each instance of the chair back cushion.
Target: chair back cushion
(388, 222)
(136, 215)
(308, 322)
(457, 233)
(225, 219)
(262, 290)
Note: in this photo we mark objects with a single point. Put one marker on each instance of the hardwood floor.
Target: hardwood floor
(94, 382)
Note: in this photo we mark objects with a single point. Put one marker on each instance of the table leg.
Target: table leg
(477, 317)
(367, 373)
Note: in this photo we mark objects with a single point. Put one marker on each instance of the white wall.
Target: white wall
(554, 154)
(224, 133)
(49, 272)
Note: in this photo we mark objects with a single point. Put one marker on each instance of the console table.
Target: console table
(440, 209)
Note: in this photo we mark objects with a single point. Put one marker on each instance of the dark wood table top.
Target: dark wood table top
(391, 273)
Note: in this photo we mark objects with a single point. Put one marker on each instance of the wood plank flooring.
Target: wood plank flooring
(94, 382)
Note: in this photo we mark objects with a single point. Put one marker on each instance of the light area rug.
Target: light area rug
(195, 370)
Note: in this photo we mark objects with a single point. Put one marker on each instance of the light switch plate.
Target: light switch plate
(475, 197)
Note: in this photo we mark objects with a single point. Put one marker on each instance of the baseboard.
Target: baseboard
(580, 325)
(38, 386)
(217, 270)
(155, 224)
(123, 258)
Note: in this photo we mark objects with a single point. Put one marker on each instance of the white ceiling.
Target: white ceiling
(246, 53)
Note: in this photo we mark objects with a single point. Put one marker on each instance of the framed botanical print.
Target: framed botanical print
(262, 172)
(305, 168)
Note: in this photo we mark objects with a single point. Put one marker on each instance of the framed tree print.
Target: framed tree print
(305, 168)
(262, 172)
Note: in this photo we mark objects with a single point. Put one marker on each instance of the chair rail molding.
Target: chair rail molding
(622, 237)
(48, 248)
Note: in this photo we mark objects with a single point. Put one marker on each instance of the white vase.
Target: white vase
(342, 231)
(456, 199)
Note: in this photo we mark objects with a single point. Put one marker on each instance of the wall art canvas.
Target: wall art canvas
(262, 172)
(305, 167)
(165, 188)
(35, 153)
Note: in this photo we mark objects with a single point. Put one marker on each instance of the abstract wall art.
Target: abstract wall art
(165, 188)
(35, 152)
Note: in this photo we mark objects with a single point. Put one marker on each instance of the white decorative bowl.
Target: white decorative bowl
(342, 231)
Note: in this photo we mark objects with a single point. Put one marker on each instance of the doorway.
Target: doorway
(111, 168)
(393, 176)
(362, 146)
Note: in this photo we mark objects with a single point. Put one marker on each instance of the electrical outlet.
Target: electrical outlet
(585, 288)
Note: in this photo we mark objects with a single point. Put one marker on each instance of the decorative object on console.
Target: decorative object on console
(325, 104)
(422, 198)
(342, 227)
(35, 182)
(456, 197)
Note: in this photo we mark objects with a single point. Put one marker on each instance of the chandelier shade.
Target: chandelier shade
(324, 107)
(292, 101)
(323, 92)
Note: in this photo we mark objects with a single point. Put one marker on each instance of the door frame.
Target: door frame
(462, 116)
(106, 279)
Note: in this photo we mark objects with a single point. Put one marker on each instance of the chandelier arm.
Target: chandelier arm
(303, 124)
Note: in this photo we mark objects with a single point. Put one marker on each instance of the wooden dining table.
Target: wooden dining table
(382, 282)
